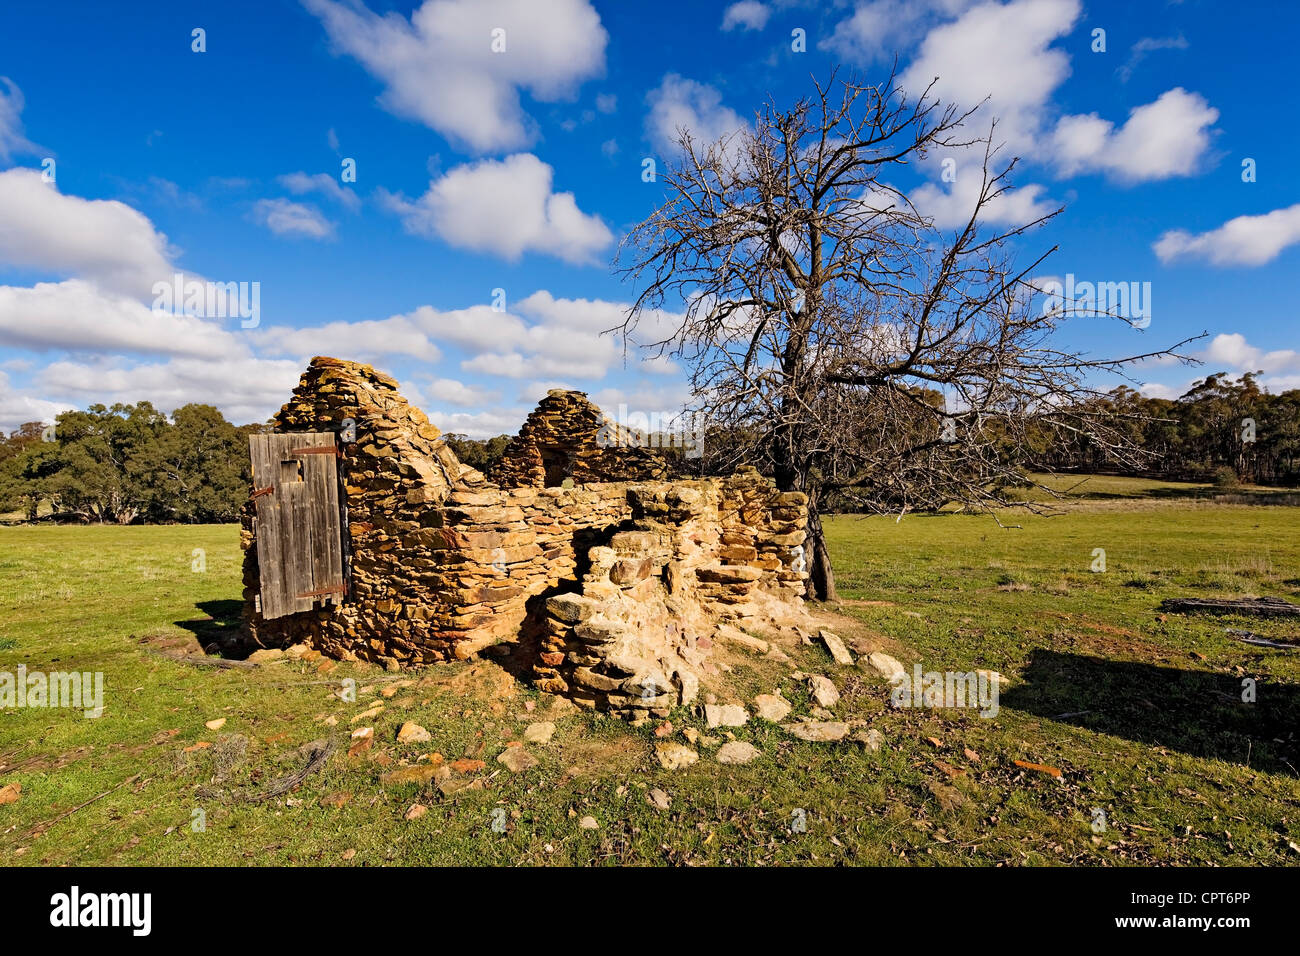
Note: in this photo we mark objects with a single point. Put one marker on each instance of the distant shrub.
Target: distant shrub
(1225, 477)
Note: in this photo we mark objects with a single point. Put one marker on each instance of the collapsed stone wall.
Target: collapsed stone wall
(700, 556)
(568, 436)
(611, 585)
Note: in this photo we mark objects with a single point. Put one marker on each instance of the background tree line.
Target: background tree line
(133, 464)
(127, 464)
(1221, 429)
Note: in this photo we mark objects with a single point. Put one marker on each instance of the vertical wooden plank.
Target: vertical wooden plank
(270, 558)
(299, 528)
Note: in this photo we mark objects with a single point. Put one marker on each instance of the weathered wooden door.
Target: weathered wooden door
(299, 542)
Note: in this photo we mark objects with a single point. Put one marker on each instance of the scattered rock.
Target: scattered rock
(363, 738)
(10, 793)
(467, 766)
(694, 737)
(886, 666)
(823, 690)
(216, 724)
(451, 786)
(588, 823)
(725, 715)
(415, 811)
(734, 635)
(266, 654)
(539, 733)
(348, 854)
(870, 739)
(658, 799)
(675, 756)
(836, 647)
(738, 751)
(817, 731)
(410, 733)
(296, 651)
(517, 759)
(367, 714)
(773, 708)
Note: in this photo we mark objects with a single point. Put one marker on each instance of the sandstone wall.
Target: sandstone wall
(699, 555)
(611, 584)
(569, 436)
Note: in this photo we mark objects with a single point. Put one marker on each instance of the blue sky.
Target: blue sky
(520, 170)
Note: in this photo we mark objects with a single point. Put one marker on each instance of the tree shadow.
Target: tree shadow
(1194, 712)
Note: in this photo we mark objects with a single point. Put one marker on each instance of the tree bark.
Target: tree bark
(821, 576)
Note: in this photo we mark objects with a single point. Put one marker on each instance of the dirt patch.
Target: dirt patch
(172, 642)
(602, 757)
(44, 763)
(482, 680)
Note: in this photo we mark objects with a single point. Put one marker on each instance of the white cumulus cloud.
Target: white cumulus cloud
(100, 240)
(505, 207)
(679, 104)
(1243, 241)
(1165, 138)
(439, 67)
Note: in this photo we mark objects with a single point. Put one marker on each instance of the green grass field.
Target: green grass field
(1161, 760)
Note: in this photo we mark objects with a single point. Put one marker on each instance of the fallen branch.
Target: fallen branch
(202, 661)
(40, 828)
(322, 750)
(1256, 607)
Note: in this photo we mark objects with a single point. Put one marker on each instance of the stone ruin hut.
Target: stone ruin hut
(368, 539)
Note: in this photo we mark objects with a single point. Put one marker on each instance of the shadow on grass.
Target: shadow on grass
(219, 626)
(1194, 712)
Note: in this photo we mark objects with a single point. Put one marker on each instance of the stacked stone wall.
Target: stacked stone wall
(615, 585)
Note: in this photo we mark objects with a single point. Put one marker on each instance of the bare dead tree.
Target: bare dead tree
(836, 337)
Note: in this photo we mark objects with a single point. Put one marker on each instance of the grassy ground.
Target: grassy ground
(1160, 759)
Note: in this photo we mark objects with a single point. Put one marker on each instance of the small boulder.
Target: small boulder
(823, 690)
(817, 731)
(517, 759)
(540, 732)
(725, 715)
(771, 707)
(410, 733)
(675, 756)
(836, 647)
(886, 666)
(870, 739)
(738, 752)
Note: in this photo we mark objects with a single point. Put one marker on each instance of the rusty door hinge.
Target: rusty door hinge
(320, 592)
(318, 450)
